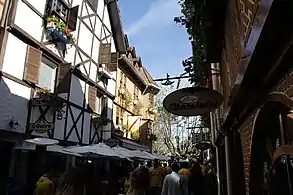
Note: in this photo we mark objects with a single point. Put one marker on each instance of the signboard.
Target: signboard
(41, 126)
(192, 101)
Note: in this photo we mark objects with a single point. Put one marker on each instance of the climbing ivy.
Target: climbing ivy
(192, 18)
(196, 66)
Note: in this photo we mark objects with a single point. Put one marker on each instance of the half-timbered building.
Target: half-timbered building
(56, 76)
(134, 103)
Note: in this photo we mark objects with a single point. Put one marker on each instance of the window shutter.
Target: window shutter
(93, 4)
(72, 18)
(64, 78)
(2, 2)
(92, 93)
(32, 65)
(104, 112)
(105, 54)
(114, 62)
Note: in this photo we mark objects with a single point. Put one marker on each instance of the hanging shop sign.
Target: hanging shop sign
(192, 101)
(41, 126)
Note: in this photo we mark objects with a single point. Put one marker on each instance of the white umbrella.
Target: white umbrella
(161, 157)
(99, 149)
(148, 155)
(51, 148)
(123, 152)
(42, 141)
(142, 155)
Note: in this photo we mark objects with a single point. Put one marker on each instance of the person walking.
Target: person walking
(174, 183)
(45, 184)
(184, 171)
(168, 169)
(156, 176)
(196, 180)
(138, 182)
(71, 183)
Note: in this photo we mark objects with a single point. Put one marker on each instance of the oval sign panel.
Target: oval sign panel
(192, 101)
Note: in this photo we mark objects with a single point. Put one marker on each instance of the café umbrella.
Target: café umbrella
(99, 149)
(123, 152)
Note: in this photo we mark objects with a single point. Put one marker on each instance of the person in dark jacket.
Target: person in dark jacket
(196, 180)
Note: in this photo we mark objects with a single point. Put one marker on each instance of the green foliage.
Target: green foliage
(195, 66)
(61, 27)
(135, 135)
(125, 96)
(44, 91)
(137, 108)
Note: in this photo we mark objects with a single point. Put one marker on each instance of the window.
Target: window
(136, 92)
(121, 78)
(47, 74)
(151, 99)
(125, 80)
(61, 10)
(99, 103)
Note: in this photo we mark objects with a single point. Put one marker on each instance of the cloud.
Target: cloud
(159, 15)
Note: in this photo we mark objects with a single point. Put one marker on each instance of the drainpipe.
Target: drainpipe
(215, 69)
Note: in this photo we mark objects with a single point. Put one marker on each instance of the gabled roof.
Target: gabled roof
(149, 80)
(146, 75)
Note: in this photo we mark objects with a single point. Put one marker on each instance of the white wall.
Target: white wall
(77, 91)
(73, 136)
(111, 86)
(13, 105)
(59, 126)
(28, 20)
(86, 128)
(14, 65)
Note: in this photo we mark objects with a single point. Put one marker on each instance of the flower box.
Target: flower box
(57, 30)
(57, 35)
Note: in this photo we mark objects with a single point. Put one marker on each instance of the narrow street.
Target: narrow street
(155, 97)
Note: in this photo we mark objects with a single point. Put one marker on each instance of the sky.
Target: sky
(159, 41)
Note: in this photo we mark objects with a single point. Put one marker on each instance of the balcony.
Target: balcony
(104, 71)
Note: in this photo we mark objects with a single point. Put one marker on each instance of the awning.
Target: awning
(131, 144)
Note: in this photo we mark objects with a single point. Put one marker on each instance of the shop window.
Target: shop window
(47, 74)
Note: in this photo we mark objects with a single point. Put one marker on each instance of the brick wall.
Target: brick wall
(239, 22)
(246, 131)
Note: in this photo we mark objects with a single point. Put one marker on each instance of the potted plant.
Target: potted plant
(42, 93)
(135, 135)
(152, 109)
(137, 106)
(59, 30)
(125, 96)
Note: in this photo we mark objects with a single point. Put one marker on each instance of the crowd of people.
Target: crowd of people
(174, 178)
(151, 178)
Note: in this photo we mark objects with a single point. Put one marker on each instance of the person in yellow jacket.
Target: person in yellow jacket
(156, 176)
(184, 171)
(45, 185)
(126, 183)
